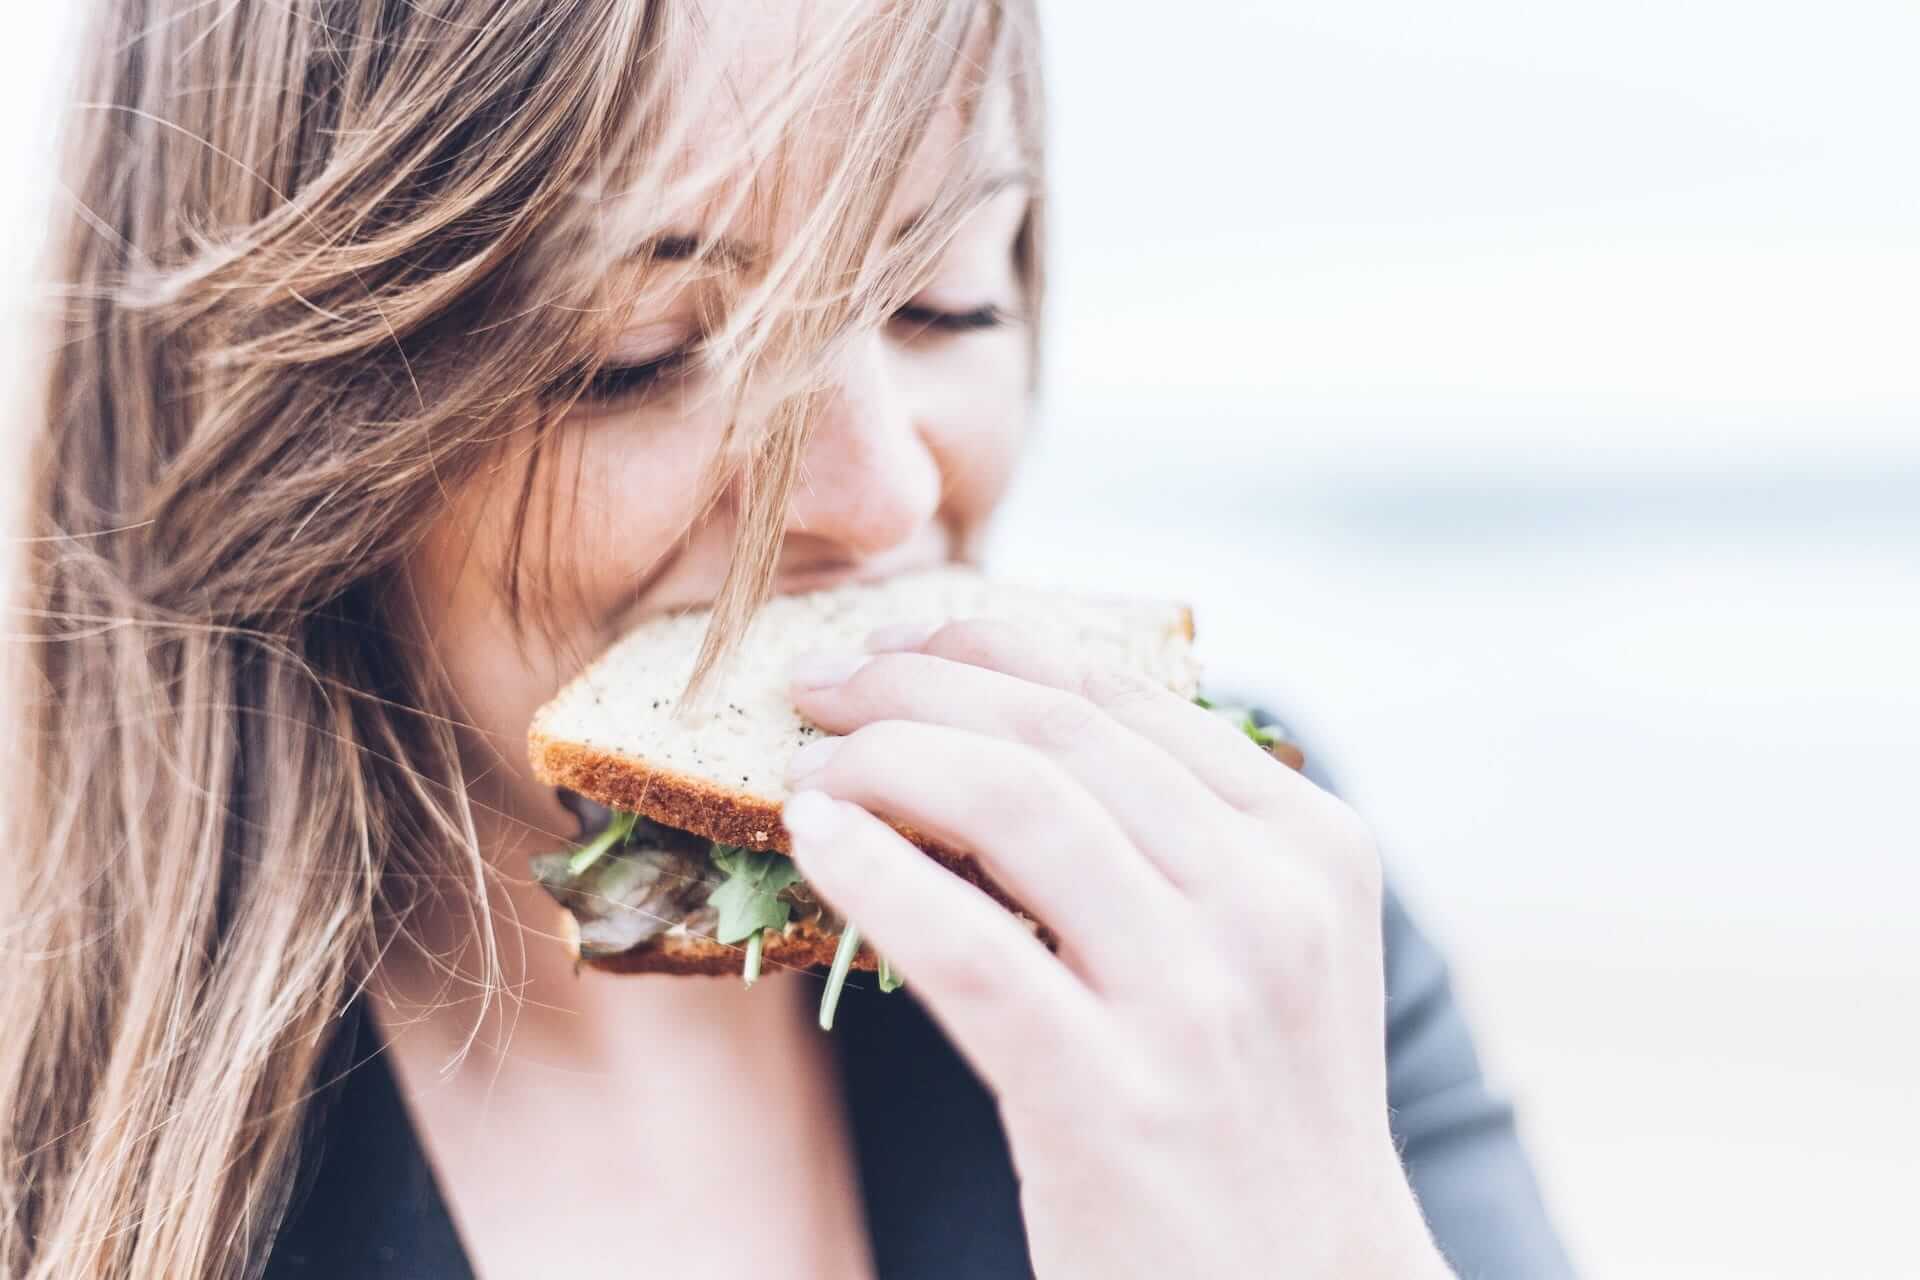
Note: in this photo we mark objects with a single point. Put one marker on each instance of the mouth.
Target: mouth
(797, 574)
(840, 573)
(592, 816)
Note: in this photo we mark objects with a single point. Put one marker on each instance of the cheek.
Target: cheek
(625, 498)
(452, 585)
(610, 500)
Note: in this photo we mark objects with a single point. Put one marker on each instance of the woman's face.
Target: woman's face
(924, 419)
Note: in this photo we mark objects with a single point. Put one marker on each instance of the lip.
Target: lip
(922, 553)
(841, 575)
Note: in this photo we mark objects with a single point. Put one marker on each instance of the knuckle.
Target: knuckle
(1313, 926)
(1290, 961)
(1059, 722)
(1037, 795)
(975, 641)
(1312, 948)
(1353, 856)
(1344, 822)
(1112, 687)
(968, 975)
(880, 679)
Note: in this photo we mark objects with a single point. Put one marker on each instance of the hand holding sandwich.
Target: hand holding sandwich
(1195, 1084)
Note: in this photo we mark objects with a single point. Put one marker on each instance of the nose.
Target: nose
(868, 482)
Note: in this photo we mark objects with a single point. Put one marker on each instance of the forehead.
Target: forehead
(771, 97)
(756, 44)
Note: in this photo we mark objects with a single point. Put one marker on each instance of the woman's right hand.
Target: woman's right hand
(1195, 1084)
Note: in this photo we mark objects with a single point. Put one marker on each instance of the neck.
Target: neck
(618, 1102)
(564, 1110)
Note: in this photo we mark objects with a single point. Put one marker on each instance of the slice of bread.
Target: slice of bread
(618, 735)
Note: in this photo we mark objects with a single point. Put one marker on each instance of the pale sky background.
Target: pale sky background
(1525, 397)
(1664, 227)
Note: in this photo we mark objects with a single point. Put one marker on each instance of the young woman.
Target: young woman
(410, 351)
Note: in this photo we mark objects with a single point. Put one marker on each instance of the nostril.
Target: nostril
(593, 815)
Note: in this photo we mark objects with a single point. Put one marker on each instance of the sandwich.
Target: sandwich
(683, 866)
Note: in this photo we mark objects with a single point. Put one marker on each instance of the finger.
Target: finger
(1034, 830)
(1166, 812)
(1215, 752)
(1010, 1007)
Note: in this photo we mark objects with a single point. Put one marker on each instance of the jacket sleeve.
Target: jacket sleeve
(1456, 1136)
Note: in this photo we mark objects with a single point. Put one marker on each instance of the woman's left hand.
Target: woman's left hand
(1196, 1083)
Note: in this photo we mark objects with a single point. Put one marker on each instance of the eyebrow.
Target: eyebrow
(684, 246)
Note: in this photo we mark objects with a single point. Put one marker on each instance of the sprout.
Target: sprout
(837, 976)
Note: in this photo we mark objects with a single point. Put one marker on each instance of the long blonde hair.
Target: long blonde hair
(321, 260)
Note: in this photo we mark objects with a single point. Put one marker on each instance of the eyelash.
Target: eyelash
(623, 381)
(920, 319)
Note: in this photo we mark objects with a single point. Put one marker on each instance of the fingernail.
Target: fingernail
(810, 817)
(822, 670)
(810, 759)
(896, 637)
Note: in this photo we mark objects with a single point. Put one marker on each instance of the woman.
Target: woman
(413, 350)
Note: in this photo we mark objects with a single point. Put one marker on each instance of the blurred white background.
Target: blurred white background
(1525, 396)
(1528, 399)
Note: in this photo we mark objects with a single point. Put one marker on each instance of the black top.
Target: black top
(936, 1179)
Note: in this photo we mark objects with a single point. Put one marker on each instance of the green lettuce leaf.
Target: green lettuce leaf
(748, 900)
(1264, 734)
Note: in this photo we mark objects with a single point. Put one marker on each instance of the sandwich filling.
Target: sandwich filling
(638, 880)
(635, 880)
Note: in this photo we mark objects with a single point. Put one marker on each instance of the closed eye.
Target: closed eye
(616, 382)
(613, 383)
(916, 319)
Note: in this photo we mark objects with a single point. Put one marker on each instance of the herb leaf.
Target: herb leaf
(615, 832)
(1263, 735)
(748, 901)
